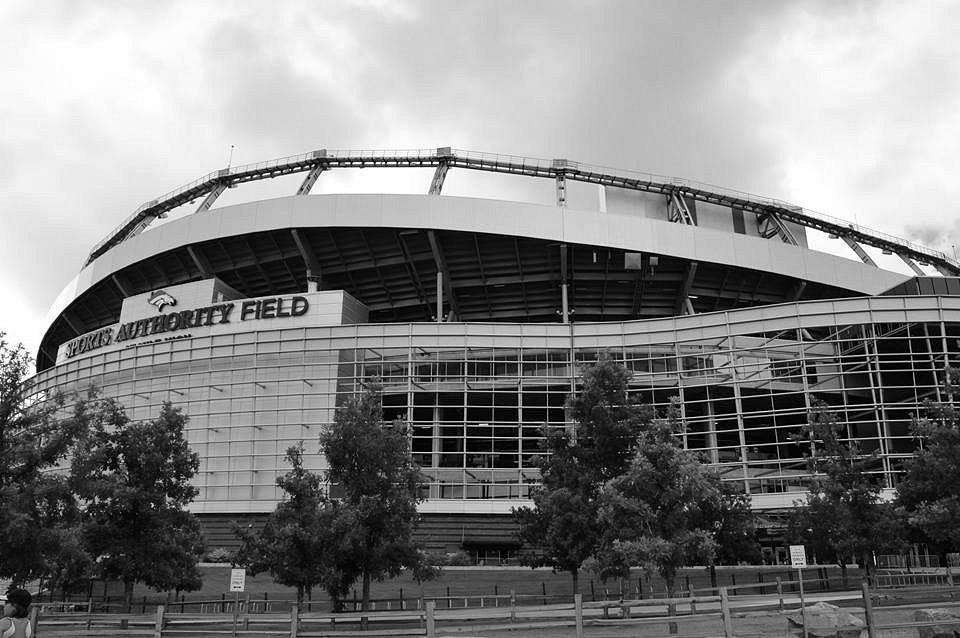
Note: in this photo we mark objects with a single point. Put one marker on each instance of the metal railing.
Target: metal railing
(514, 164)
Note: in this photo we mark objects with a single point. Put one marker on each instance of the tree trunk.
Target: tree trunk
(575, 573)
(299, 595)
(671, 579)
(128, 594)
(365, 605)
(713, 579)
(843, 573)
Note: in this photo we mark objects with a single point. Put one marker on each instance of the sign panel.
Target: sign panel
(798, 556)
(237, 579)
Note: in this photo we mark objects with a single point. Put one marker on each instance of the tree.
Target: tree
(298, 546)
(665, 511)
(929, 495)
(735, 527)
(371, 465)
(134, 479)
(844, 518)
(36, 506)
(562, 525)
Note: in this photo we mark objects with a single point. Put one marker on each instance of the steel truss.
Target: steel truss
(770, 212)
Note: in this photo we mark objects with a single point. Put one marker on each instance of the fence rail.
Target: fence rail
(691, 609)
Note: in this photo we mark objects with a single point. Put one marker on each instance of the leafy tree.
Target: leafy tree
(298, 546)
(667, 510)
(608, 420)
(371, 465)
(69, 565)
(844, 519)
(929, 494)
(735, 527)
(562, 525)
(36, 506)
(134, 479)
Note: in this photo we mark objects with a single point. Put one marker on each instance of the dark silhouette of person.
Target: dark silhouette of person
(15, 622)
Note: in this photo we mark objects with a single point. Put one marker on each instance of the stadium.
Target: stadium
(258, 317)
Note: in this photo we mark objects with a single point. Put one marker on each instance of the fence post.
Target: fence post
(294, 620)
(236, 612)
(780, 593)
(867, 608)
(725, 611)
(89, 612)
(693, 602)
(34, 618)
(431, 621)
(578, 613)
(158, 623)
(513, 605)
(949, 574)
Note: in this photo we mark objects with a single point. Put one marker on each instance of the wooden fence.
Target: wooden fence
(243, 619)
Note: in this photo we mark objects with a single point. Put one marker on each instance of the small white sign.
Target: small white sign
(237, 579)
(798, 556)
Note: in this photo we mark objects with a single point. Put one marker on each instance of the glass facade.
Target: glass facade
(477, 395)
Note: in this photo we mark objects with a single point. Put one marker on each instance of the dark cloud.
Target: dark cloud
(115, 104)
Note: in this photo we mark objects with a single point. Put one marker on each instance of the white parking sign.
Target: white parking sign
(798, 556)
(237, 579)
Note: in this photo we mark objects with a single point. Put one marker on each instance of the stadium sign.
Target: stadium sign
(270, 308)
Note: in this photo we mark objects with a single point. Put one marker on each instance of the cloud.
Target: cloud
(849, 108)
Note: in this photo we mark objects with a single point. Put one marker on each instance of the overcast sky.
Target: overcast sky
(851, 109)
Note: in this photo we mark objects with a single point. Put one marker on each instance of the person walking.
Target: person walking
(15, 622)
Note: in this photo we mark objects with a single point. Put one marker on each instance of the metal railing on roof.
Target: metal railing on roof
(522, 165)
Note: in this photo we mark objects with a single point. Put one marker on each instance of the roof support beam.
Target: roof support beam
(124, 290)
(915, 268)
(560, 166)
(771, 225)
(857, 248)
(439, 175)
(307, 184)
(677, 210)
(441, 263)
(683, 295)
(73, 326)
(212, 196)
(411, 266)
(309, 258)
(797, 290)
(200, 261)
(564, 298)
(46, 353)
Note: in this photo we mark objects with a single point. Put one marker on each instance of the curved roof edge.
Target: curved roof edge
(497, 217)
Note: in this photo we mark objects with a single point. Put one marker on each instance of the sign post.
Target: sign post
(798, 559)
(238, 579)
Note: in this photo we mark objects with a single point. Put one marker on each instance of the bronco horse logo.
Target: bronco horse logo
(161, 298)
